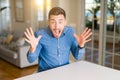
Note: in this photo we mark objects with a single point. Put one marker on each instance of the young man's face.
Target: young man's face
(57, 24)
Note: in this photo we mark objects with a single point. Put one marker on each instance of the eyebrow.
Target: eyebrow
(59, 19)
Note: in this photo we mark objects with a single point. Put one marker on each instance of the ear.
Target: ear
(65, 22)
(48, 21)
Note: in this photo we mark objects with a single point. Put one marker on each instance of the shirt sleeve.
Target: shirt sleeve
(77, 52)
(33, 56)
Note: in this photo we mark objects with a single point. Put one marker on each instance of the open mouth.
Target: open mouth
(57, 33)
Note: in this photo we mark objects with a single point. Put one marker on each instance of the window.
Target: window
(43, 9)
(92, 18)
(4, 15)
(104, 48)
(40, 5)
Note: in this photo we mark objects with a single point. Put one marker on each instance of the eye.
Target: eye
(52, 22)
(60, 22)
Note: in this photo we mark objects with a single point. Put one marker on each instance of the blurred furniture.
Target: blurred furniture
(13, 48)
(16, 56)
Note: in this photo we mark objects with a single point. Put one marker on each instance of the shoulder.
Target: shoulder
(69, 29)
(42, 31)
(69, 33)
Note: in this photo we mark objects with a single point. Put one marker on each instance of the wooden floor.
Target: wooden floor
(10, 72)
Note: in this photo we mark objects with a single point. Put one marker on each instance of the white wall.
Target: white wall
(30, 18)
(74, 13)
(15, 25)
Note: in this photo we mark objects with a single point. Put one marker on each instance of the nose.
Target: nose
(56, 25)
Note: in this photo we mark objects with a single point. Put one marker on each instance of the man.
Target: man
(53, 44)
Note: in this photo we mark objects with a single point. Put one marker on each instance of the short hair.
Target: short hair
(57, 11)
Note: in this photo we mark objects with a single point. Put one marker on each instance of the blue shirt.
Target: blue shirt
(54, 52)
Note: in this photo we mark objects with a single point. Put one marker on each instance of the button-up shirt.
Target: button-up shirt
(54, 52)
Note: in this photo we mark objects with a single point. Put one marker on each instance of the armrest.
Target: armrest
(8, 53)
(23, 57)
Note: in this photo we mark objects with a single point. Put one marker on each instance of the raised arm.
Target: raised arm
(31, 39)
(84, 37)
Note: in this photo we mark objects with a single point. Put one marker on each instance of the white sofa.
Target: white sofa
(17, 57)
(14, 49)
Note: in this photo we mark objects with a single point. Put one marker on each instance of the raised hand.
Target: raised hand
(83, 38)
(31, 39)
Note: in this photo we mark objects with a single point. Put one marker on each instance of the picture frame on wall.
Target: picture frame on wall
(19, 10)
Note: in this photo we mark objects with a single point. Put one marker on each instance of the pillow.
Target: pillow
(21, 41)
(8, 39)
(17, 35)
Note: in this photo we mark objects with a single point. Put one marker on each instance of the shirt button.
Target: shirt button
(59, 55)
(60, 63)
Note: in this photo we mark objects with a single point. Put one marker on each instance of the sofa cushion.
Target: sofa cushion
(8, 39)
